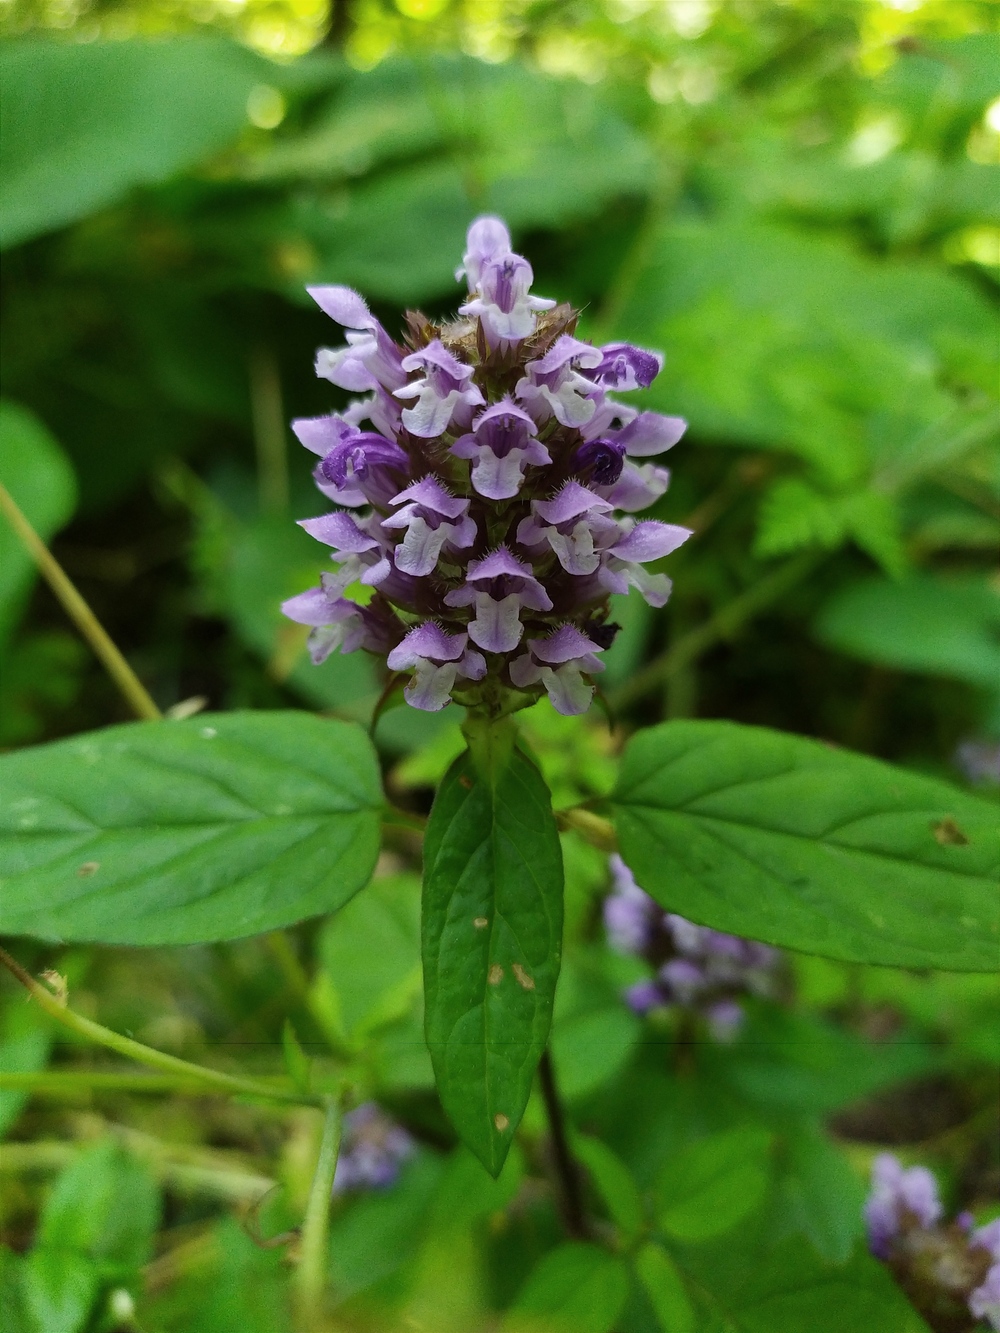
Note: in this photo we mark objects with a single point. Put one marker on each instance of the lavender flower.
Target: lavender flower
(948, 1270)
(373, 1148)
(698, 971)
(484, 486)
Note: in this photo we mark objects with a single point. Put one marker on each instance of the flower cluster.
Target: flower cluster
(373, 1148)
(698, 970)
(486, 488)
(949, 1271)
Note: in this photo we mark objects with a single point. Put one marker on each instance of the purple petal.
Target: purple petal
(488, 239)
(568, 692)
(498, 478)
(505, 410)
(338, 531)
(497, 627)
(437, 355)
(308, 608)
(643, 996)
(431, 686)
(649, 540)
(427, 641)
(563, 352)
(650, 433)
(498, 562)
(420, 549)
(572, 501)
(429, 493)
(565, 644)
(344, 306)
(472, 665)
(320, 434)
(524, 671)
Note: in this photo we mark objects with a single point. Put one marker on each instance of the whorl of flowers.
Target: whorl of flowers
(949, 1270)
(486, 487)
(698, 970)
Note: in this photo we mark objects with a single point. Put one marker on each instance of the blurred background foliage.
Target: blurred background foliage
(798, 201)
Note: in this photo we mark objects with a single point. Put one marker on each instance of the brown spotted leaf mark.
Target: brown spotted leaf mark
(492, 929)
(782, 839)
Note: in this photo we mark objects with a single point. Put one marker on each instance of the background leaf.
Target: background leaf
(174, 832)
(85, 122)
(710, 1186)
(492, 936)
(781, 839)
(575, 1289)
(38, 475)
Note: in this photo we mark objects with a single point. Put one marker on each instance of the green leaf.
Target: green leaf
(713, 1184)
(664, 1286)
(60, 1288)
(822, 1192)
(575, 1289)
(84, 122)
(370, 953)
(297, 1063)
(782, 839)
(492, 932)
(177, 832)
(613, 1182)
(39, 477)
(104, 1205)
(937, 627)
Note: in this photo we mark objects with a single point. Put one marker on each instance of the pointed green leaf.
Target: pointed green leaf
(492, 930)
(575, 1289)
(665, 1288)
(178, 832)
(786, 840)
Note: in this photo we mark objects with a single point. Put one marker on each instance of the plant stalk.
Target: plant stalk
(567, 1172)
(311, 1273)
(146, 1055)
(130, 686)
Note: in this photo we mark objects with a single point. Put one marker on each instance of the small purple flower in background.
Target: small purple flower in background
(373, 1148)
(978, 761)
(490, 478)
(949, 1270)
(698, 971)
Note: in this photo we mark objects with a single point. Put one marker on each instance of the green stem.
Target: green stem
(311, 1273)
(146, 1055)
(131, 687)
(732, 617)
(63, 1082)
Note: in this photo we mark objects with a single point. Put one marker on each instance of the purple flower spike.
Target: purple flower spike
(502, 445)
(629, 912)
(899, 1198)
(483, 482)
(625, 367)
(643, 996)
(984, 1301)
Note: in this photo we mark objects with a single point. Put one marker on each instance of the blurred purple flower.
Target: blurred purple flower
(373, 1148)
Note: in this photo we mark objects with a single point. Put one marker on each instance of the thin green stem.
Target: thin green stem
(146, 1055)
(131, 687)
(76, 1082)
(311, 1273)
(726, 622)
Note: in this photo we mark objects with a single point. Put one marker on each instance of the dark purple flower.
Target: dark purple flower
(629, 912)
(896, 1196)
(625, 367)
(600, 461)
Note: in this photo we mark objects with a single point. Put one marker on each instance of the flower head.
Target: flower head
(373, 1148)
(483, 483)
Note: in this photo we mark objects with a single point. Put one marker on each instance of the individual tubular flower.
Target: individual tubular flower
(699, 972)
(553, 385)
(560, 662)
(502, 444)
(336, 622)
(950, 1270)
(499, 284)
(484, 483)
(373, 1148)
(437, 660)
(443, 390)
(621, 567)
(431, 519)
(499, 587)
(574, 524)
